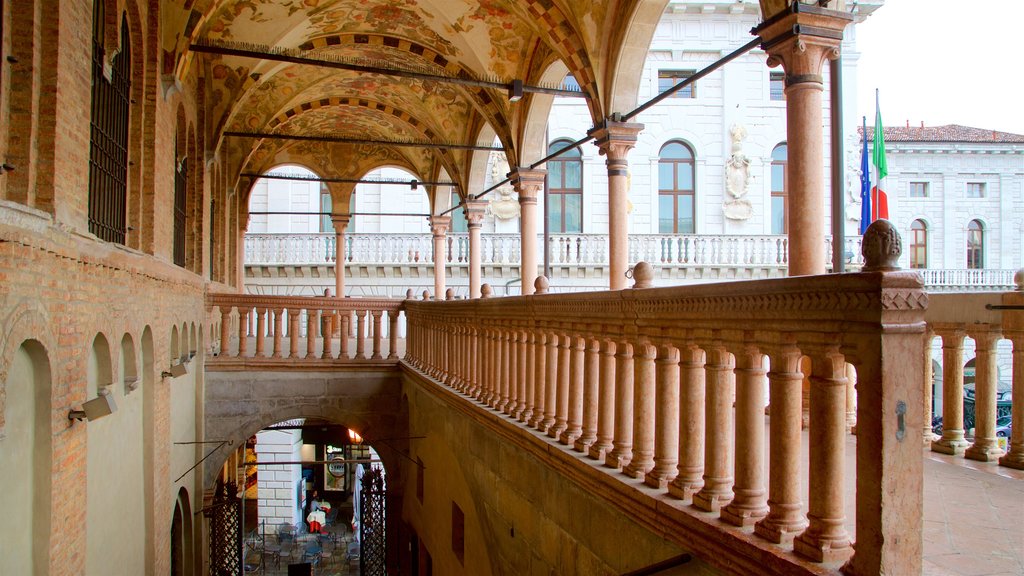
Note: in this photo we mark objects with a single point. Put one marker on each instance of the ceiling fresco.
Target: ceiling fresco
(268, 88)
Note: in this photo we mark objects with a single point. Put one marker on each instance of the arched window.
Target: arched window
(675, 189)
(459, 224)
(565, 189)
(975, 245)
(780, 194)
(918, 244)
(108, 138)
(180, 207)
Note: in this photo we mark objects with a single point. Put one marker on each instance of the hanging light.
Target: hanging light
(354, 438)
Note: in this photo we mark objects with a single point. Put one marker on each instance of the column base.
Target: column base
(683, 489)
(556, 430)
(544, 426)
(711, 501)
(1014, 458)
(639, 467)
(617, 460)
(953, 446)
(525, 416)
(569, 437)
(830, 551)
(743, 517)
(987, 451)
(599, 451)
(659, 480)
(780, 531)
(583, 444)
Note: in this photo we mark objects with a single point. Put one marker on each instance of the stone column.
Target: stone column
(801, 38)
(278, 321)
(561, 388)
(550, 382)
(528, 183)
(605, 402)
(691, 423)
(574, 417)
(328, 352)
(530, 376)
(439, 227)
(361, 334)
(644, 391)
(393, 334)
(243, 337)
(826, 538)
(540, 372)
(666, 417)
(591, 385)
(985, 447)
(261, 331)
(749, 501)
(952, 440)
(718, 449)
(474, 221)
(340, 222)
(622, 442)
(929, 379)
(225, 331)
(376, 333)
(615, 140)
(785, 505)
(312, 323)
(522, 374)
(1014, 457)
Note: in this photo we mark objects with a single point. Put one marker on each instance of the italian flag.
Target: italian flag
(879, 201)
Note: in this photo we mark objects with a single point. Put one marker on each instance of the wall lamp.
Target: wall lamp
(176, 370)
(98, 407)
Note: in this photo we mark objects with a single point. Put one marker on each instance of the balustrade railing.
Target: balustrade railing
(962, 278)
(668, 386)
(255, 328)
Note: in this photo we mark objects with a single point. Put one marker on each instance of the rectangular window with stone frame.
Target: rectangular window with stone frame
(918, 189)
(669, 78)
(975, 189)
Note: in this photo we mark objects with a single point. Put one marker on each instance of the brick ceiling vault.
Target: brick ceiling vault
(266, 84)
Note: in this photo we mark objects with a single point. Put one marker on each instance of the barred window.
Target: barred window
(669, 78)
(180, 188)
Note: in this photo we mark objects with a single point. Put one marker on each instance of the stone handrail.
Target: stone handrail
(255, 328)
(961, 278)
(498, 249)
(645, 380)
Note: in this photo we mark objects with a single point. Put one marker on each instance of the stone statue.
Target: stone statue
(737, 176)
(504, 206)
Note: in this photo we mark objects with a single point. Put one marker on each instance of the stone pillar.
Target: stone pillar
(361, 334)
(540, 373)
(785, 505)
(929, 379)
(718, 479)
(691, 423)
(561, 388)
(528, 184)
(261, 331)
(530, 376)
(1014, 457)
(605, 402)
(801, 38)
(225, 331)
(550, 381)
(749, 501)
(615, 140)
(376, 333)
(393, 335)
(278, 321)
(340, 222)
(474, 221)
(312, 322)
(243, 328)
(826, 538)
(328, 352)
(985, 447)
(439, 227)
(622, 442)
(952, 440)
(644, 391)
(591, 386)
(574, 418)
(666, 417)
(522, 374)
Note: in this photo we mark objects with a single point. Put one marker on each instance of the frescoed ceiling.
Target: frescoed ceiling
(294, 75)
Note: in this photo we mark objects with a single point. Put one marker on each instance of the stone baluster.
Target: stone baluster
(343, 333)
(826, 538)
(666, 418)
(985, 447)
(550, 382)
(622, 442)
(785, 508)
(692, 378)
(475, 358)
(644, 391)
(501, 355)
(261, 332)
(540, 356)
(749, 497)
(1014, 457)
(328, 335)
(360, 334)
(377, 336)
(574, 412)
(851, 398)
(491, 379)
(591, 388)
(225, 331)
(393, 335)
(312, 317)
(512, 355)
(929, 379)
(243, 337)
(952, 440)
(562, 388)
(294, 315)
(718, 449)
(278, 321)
(605, 402)
(530, 376)
(522, 375)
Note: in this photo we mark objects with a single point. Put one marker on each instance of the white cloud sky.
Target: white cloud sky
(944, 62)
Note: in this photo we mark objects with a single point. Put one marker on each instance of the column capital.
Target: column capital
(801, 38)
(527, 183)
(340, 222)
(475, 210)
(616, 139)
(439, 225)
(985, 336)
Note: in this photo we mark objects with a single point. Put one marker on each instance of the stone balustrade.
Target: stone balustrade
(315, 330)
(667, 386)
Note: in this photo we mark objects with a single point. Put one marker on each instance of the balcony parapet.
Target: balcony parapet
(644, 381)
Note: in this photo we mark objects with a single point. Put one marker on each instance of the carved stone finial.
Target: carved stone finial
(449, 294)
(409, 295)
(643, 275)
(540, 285)
(881, 247)
(485, 291)
(426, 294)
(1018, 280)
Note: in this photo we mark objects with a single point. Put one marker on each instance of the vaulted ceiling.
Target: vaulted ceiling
(287, 67)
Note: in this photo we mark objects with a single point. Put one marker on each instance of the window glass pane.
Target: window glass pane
(555, 216)
(685, 172)
(459, 223)
(685, 225)
(778, 177)
(665, 214)
(781, 153)
(675, 150)
(555, 173)
(573, 174)
(665, 173)
(573, 212)
(778, 215)
(664, 84)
